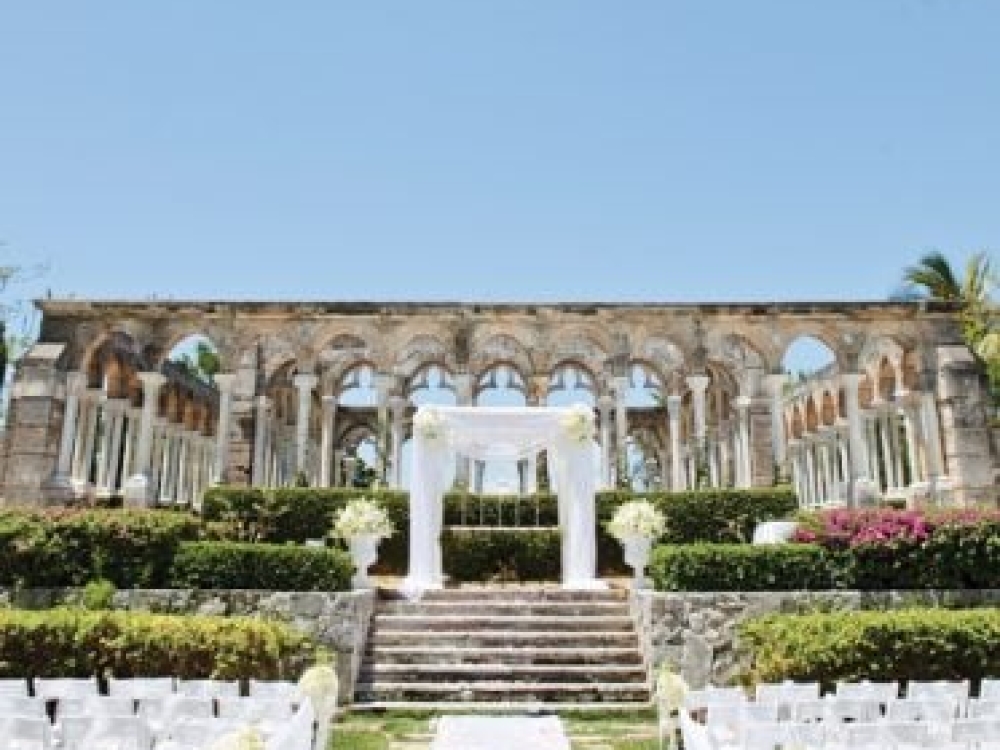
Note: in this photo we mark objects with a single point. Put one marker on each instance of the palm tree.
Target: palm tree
(934, 278)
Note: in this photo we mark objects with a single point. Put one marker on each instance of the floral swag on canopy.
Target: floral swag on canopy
(442, 433)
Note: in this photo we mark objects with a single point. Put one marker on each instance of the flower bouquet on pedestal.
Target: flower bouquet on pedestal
(363, 524)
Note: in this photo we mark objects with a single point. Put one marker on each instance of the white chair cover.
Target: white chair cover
(208, 688)
(20, 705)
(14, 687)
(26, 733)
(140, 687)
(65, 687)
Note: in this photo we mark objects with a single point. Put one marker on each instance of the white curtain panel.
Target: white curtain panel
(505, 434)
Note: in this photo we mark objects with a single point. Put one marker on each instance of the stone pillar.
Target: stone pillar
(605, 407)
(677, 483)
(860, 473)
(743, 472)
(84, 435)
(139, 489)
(932, 438)
(398, 407)
(911, 423)
(477, 482)
(326, 440)
(224, 383)
(698, 384)
(888, 459)
(131, 438)
(872, 438)
(75, 384)
(304, 382)
(260, 429)
(776, 387)
(116, 424)
(621, 385)
(463, 397)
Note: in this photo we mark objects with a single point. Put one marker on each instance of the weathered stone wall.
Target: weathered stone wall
(338, 620)
(697, 632)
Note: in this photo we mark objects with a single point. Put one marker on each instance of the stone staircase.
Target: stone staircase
(504, 648)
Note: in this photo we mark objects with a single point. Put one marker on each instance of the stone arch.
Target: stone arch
(500, 348)
(793, 331)
(664, 352)
(421, 351)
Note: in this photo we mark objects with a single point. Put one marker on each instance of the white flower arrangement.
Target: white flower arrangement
(363, 517)
(245, 738)
(578, 423)
(319, 684)
(429, 423)
(637, 518)
(670, 688)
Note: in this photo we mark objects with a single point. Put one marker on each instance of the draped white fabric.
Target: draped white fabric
(502, 433)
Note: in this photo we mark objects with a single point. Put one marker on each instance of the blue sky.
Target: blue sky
(566, 149)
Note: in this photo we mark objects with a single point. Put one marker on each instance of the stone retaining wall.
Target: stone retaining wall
(697, 632)
(338, 620)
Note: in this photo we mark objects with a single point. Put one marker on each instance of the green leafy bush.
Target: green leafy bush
(81, 643)
(914, 644)
(740, 567)
(272, 567)
(70, 547)
(490, 555)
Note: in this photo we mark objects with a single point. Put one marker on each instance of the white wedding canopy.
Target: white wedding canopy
(442, 433)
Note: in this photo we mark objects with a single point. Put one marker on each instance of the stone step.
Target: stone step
(492, 692)
(467, 607)
(466, 623)
(516, 593)
(528, 654)
(491, 673)
(502, 639)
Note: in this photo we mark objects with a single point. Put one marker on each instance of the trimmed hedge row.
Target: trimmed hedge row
(272, 567)
(915, 644)
(740, 567)
(487, 555)
(153, 549)
(297, 514)
(80, 643)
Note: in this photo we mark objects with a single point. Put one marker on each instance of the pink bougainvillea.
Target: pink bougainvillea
(843, 527)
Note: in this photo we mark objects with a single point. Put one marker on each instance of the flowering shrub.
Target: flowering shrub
(363, 517)
(638, 518)
(578, 423)
(843, 528)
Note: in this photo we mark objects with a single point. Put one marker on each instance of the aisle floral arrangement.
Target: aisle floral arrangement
(246, 738)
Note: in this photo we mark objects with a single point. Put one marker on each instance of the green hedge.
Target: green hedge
(740, 567)
(272, 567)
(71, 547)
(296, 514)
(79, 643)
(487, 555)
(914, 644)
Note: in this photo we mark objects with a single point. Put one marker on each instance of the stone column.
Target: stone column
(397, 406)
(326, 440)
(698, 384)
(606, 405)
(621, 385)
(888, 460)
(224, 383)
(932, 437)
(75, 384)
(304, 382)
(260, 428)
(677, 483)
(131, 437)
(744, 470)
(860, 473)
(139, 488)
(911, 423)
(116, 422)
(85, 438)
(463, 397)
(776, 386)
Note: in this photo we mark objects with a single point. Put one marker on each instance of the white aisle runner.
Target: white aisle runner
(500, 733)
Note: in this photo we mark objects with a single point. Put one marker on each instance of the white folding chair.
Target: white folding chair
(860, 735)
(208, 688)
(300, 733)
(94, 706)
(264, 711)
(765, 735)
(274, 689)
(164, 711)
(958, 691)
(53, 688)
(694, 735)
(865, 690)
(941, 710)
(989, 688)
(140, 687)
(810, 711)
(787, 692)
(852, 709)
(26, 733)
(914, 734)
(20, 705)
(15, 687)
(974, 733)
(200, 732)
(724, 722)
(809, 735)
(983, 708)
(100, 732)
